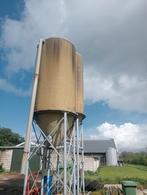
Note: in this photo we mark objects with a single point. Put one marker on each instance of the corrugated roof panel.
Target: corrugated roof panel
(98, 146)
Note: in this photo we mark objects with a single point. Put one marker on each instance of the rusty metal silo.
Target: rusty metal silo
(56, 86)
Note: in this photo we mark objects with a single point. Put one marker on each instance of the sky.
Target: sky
(111, 35)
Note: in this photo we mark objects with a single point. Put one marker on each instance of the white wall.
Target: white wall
(6, 158)
(90, 163)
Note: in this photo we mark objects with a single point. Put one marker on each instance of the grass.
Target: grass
(117, 174)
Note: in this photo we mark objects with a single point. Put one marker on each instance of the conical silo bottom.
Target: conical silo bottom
(52, 123)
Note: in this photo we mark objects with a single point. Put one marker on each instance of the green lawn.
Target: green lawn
(117, 174)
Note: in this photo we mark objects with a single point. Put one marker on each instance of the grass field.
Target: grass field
(117, 174)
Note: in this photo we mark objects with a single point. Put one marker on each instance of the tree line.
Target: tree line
(9, 138)
(138, 158)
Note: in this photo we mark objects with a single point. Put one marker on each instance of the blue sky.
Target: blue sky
(12, 9)
(14, 109)
(112, 41)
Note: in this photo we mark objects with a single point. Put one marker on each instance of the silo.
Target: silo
(111, 157)
(79, 85)
(56, 91)
(57, 108)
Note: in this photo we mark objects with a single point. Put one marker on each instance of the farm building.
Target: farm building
(96, 153)
(99, 152)
(11, 157)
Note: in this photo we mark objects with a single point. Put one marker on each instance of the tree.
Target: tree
(9, 138)
(139, 158)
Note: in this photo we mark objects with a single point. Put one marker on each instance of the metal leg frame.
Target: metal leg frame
(66, 181)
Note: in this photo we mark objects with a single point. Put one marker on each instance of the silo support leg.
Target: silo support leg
(74, 158)
(65, 153)
(77, 153)
(82, 148)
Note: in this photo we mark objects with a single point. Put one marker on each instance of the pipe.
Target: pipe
(25, 165)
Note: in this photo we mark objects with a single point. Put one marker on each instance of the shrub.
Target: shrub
(93, 185)
(1, 168)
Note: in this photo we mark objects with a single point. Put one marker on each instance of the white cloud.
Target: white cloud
(122, 92)
(8, 87)
(111, 35)
(128, 136)
(40, 19)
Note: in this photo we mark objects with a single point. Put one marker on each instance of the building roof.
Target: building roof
(18, 146)
(98, 146)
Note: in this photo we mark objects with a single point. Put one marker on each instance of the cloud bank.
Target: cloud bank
(128, 136)
(111, 36)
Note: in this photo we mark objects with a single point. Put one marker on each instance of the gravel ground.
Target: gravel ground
(11, 184)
